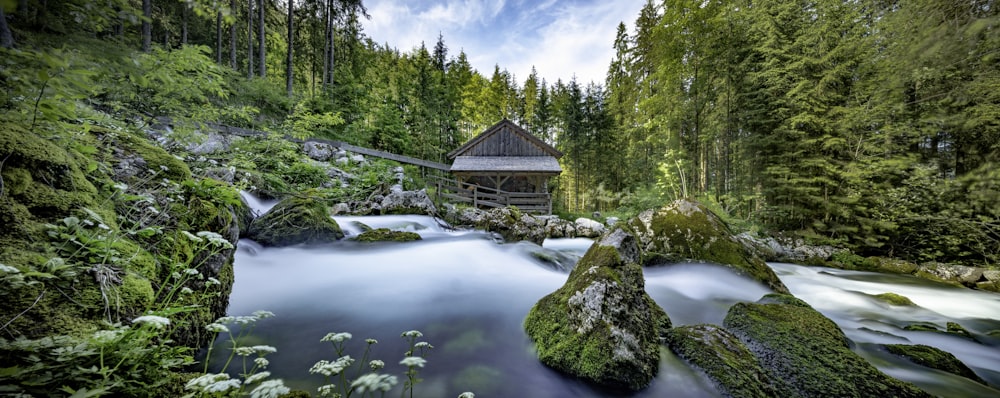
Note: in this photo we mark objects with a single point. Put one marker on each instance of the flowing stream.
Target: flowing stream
(468, 295)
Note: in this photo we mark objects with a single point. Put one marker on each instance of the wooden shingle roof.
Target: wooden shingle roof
(505, 139)
(506, 164)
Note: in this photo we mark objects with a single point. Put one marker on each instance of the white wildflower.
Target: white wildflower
(104, 227)
(413, 362)
(270, 389)
(120, 186)
(264, 349)
(191, 271)
(164, 168)
(244, 320)
(175, 275)
(107, 336)
(156, 321)
(212, 281)
(328, 390)
(217, 328)
(152, 209)
(423, 344)
(191, 237)
(374, 382)
(376, 364)
(412, 333)
(186, 290)
(200, 382)
(244, 351)
(336, 337)
(215, 239)
(8, 269)
(327, 368)
(256, 377)
(261, 314)
(371, 341)
(225, 320)
(222, 386)
(261, 362)
(467, 394)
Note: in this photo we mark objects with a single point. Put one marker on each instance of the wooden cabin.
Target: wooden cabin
(505, 165)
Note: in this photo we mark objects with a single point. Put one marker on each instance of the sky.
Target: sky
(561, 38)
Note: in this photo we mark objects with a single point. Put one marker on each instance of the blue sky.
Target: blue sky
(561, 38)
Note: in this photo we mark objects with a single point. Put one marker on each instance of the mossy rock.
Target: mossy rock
(601, 325)
(723, 358)
(689, 230)
(298, 219)
(922, 327)
(934, 358)
(156, 158)
(387, 235)
(805, 354)
(956, 329)
(889, 265)
(894, 299)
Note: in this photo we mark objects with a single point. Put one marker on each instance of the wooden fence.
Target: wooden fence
(486, 197)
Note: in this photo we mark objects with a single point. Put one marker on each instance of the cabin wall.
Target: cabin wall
(505, 143)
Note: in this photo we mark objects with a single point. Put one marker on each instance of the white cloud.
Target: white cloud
(559, 37)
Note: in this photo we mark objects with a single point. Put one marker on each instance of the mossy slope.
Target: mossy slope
(601, 325)
(689, 230)
(387, 235)
(805, 354)
(935, 358)
(723, 358)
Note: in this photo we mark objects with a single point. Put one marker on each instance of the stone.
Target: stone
(688, 230)
(805, 354)
(357, 158)
(513, 225)
(992, 275)
(212, 143)
(556, 227)
(318, 150)
(387, 235)
(967, 276)
(587, 228)
(611, 221)
(894, 299)
(934, 358)
(601, 325)
(298, 219)
(399, 201)
(723, 358)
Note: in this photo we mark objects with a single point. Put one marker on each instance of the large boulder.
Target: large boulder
(513, 225)
(601, 325)
(934, 358)
(723, 358)
(686, 230)
(303, 218)
(805, 354)
(587, 228)
(399, 201)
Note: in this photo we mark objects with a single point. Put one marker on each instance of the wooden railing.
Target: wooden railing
(486, 197)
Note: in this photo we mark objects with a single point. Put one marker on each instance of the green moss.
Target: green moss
(889, 265)
(690, 230)
(135, 292)
(806, 354)
(933, 358)
(298, 219)
(894, 299)
(572, 340)
(957, 329)
(723, 358)
(922, 327)
(156, 158)
(387, 235)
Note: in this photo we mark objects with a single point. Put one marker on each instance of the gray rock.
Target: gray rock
(212, 143)
(611, 221)
(952, 272)
(399, 201)
(588, 228)
(357, 159)
(992, 275)
(513, 225)
(340, 208)
(318, 150)
(601, 325)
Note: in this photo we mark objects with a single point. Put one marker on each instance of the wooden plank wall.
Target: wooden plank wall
(505, 143)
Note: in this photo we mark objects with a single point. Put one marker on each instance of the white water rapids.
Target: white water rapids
(469, 295)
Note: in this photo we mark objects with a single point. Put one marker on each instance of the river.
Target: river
(468, 295)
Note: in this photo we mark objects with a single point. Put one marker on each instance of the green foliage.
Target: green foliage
(305, 122)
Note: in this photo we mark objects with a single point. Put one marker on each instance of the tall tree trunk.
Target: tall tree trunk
(250, 53)
(218, 37)
(332, 35)
(232, 36)
(147, 18)
(6, 38)
(261, 48)
(184, 24)
(326, 46)
(291, 47)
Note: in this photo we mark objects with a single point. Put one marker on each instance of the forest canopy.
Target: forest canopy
(869, 124)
